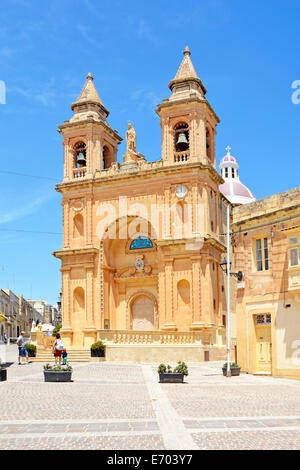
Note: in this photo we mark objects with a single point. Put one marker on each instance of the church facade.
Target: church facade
(142, 241)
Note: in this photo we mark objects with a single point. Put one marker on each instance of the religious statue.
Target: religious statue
(130, 139)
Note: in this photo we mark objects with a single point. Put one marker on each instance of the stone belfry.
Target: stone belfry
(188, 122)
(90, 144)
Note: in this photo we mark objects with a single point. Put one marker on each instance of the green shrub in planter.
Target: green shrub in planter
(57, 373)
(182, 368)
(98, 349)
(31, 349)
(58, 368)
(234, 369)
(167, 375)
(56, 330)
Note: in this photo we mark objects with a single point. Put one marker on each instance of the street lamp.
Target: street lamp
(239, 275)
(226, 266)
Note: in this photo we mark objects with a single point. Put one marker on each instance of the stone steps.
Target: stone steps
(75, 355)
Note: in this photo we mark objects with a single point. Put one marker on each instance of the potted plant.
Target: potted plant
(56, 330)
(3, 373)
(98, 349)
(31, 349)
(58, 373)
(234, 369)
(167, 375)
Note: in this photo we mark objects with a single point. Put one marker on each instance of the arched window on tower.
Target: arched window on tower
(181, 142)
(107, 157)
(80, 155)
(209, 144)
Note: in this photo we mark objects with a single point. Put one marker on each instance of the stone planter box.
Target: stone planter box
(3, 375)
(235, 371)
(98, 353)
(57, 376)
(171, 377)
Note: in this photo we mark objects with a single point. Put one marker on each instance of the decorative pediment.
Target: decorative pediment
(136, 271)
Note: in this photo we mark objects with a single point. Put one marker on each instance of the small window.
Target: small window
(261, 254)
(263, 319)
(294, 257)
(226, 172)
(232, 172)
(294, 251)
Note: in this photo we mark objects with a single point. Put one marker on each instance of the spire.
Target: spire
(89, 104)
(187, 73)
(89, 92)
(186, 68)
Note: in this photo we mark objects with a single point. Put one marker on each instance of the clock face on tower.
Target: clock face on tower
(181, 191)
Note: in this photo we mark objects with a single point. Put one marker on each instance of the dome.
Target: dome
(233, 189)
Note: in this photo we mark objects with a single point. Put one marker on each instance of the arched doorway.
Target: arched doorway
(142, 310)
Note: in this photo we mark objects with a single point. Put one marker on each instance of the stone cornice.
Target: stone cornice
(168, 103)
(75, 251)
(89, 123)
(145, 172)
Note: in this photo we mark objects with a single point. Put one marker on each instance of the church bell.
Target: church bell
(81, 159)
(182, 142)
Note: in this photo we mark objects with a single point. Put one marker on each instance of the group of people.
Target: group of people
(59, 352)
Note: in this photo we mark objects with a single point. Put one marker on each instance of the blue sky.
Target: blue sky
(246, 54)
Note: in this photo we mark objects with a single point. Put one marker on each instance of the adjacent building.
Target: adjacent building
(266, 237)
(16, 315)
(49, 313)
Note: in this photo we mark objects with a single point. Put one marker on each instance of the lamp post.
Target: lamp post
(226, 263)
(228, 293)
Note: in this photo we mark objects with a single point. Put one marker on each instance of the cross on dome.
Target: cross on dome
(228, 149)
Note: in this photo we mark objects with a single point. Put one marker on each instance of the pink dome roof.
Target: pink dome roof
(232, 188)
(236, 192)
(228, 158)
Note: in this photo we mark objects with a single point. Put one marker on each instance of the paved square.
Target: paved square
(122, 406)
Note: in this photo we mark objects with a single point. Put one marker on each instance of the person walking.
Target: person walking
(57, 349)
(21, 346)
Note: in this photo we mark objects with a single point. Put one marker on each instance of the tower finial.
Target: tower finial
(187, 51)
(228, 148)
(90, 76)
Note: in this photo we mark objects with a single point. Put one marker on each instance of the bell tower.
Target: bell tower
(188, 122)
(90, 144)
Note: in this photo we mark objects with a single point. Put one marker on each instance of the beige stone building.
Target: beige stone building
(16, 315)
(267, 249)
(142, 241)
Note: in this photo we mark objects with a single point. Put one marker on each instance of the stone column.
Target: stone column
(196, 293)
(66, 330)
(169, 297)
(89, 221)
(202, 141)
(66, 224)
(206, 300)
(167, 213)
(90, 329)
